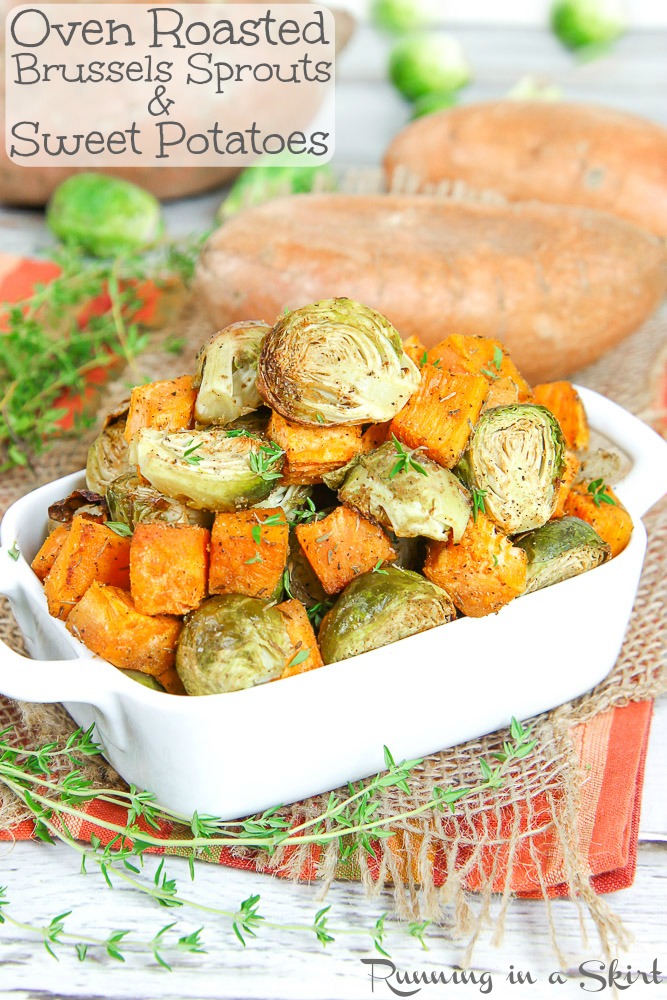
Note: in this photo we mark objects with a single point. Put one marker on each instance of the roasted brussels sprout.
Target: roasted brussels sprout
(379, 608)
(409, 502)
(290, 498)
(303, 582)
(427, 62)
(564, 547)
(146, 679)
(107, 455)
(209, 470)
(231, 642)
(514, 461)
(255, 422)
(133, 501)
(104, 215)
(226, 373)
(335, 362)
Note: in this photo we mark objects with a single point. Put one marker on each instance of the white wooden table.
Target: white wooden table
(43, 881)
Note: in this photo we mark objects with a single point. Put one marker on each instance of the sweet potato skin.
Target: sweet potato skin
(569, 154)
(611, 521)
(108, 623)
(542, 279)
(169, 568)
(45, 558)
(302, 637)
(482, 573)
(342, 546)
(91, 552)
(167, 405)
(312, 451)
(248, 556)
(439, 417)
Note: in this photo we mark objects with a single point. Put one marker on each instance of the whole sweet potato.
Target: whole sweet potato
(570, 154)
(557, 285)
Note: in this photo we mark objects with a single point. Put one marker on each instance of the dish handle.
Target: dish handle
(646, 483)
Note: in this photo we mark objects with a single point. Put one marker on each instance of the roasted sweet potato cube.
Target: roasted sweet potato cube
(90, 552)
(169, 568)
(565, 403)
(108, 623)
(248, 552)
(343, 545)
(166, 406)
(611, 520)
(480, 356)
(171, 681)
(502, 392)
(51, 546)
(374, 436)
(305, 654)
(415, 350)
(482, 573)
(312, 451)
(440, 416)
(572, 466)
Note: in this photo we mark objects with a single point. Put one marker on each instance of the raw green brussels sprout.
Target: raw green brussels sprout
(403, 15)
(231, 642)
(104, 215)
(515, 458)
(427, 63)
(107, 455)
(578, 23)
(226, 373)
(561, 548)
(259, 184)
(335, 362)
(379, 608)
(440, 100)
(132, 501)
(209, 470)
(407, 502)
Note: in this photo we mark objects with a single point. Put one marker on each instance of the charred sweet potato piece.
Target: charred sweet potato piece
(51, 546)
(611, 520)
(90, 552)
(171, 682)
(440, 416)
(108, 623)
(564, 402)
(166, 406)
(343, 545)
(572, 466)
(480, 356)
(312, 451)
(169, 568)
(302, 638)
(248, 552)
(482, 573)
(374, 436)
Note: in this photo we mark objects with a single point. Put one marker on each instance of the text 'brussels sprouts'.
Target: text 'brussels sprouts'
(379, 608)
(335, 362)
(231, 642)
(226, 373)
(515, 458)
(210, 470)
(562, 548)
(131, 501)
(107, 455)
(409, 502)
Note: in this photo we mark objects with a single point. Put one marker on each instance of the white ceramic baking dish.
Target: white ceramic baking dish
(234, 754)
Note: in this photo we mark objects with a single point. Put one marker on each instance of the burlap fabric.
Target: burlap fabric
(489, 826)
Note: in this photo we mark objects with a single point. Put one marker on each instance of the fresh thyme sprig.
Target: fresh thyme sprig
(262, 462)
(353, 821)
(478, 501)
(598, 490)
(405, 462)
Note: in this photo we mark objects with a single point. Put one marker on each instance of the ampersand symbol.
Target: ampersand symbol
(162, 105)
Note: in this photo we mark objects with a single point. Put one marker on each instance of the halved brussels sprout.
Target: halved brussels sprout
(209, 470)
(514, 461)
(226, 373)
(335, 362)
(431, 503)
(379, 608)
(291, 498)
(107, 455)
(231, 642)
(304, 584)
(133, 501)
(564, 547)
(254, 423)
